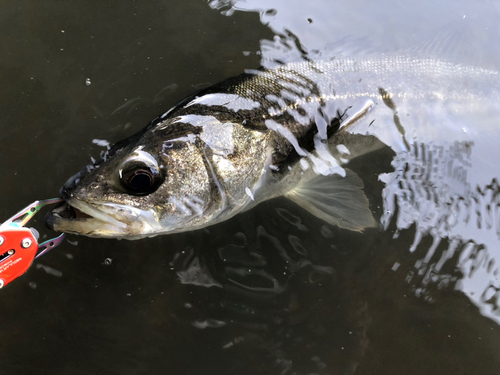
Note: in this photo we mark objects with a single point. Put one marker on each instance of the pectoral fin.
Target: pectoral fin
(337, 200)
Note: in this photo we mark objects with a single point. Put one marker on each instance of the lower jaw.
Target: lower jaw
(90, 227)
(68, 219)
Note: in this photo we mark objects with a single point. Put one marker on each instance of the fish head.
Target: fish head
(141, 187)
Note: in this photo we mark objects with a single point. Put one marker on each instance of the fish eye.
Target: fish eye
(140, 179)
(139, 173)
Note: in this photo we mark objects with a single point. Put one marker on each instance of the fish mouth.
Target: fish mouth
(78, 217)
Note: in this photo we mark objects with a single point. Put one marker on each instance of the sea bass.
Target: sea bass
(264, 134)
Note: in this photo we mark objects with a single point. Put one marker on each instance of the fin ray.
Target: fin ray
(337, 200)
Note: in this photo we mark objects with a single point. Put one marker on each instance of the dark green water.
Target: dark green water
(272, 291)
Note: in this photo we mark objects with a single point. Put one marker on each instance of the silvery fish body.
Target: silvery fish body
(286, 131)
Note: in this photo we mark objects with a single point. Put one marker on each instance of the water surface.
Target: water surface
(274, 290)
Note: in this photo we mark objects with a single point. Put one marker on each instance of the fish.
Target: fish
(289, 131)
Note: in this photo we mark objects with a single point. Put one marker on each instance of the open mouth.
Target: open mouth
(62, 213)
(75, 216)
(65, 211)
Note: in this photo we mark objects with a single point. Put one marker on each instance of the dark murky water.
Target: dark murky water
(274, 290)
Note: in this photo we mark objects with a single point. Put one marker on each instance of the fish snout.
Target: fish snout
(73, 181)
(65, 210)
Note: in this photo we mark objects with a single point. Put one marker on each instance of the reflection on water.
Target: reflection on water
(274, 290)
(437, 187)
(429, 189)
